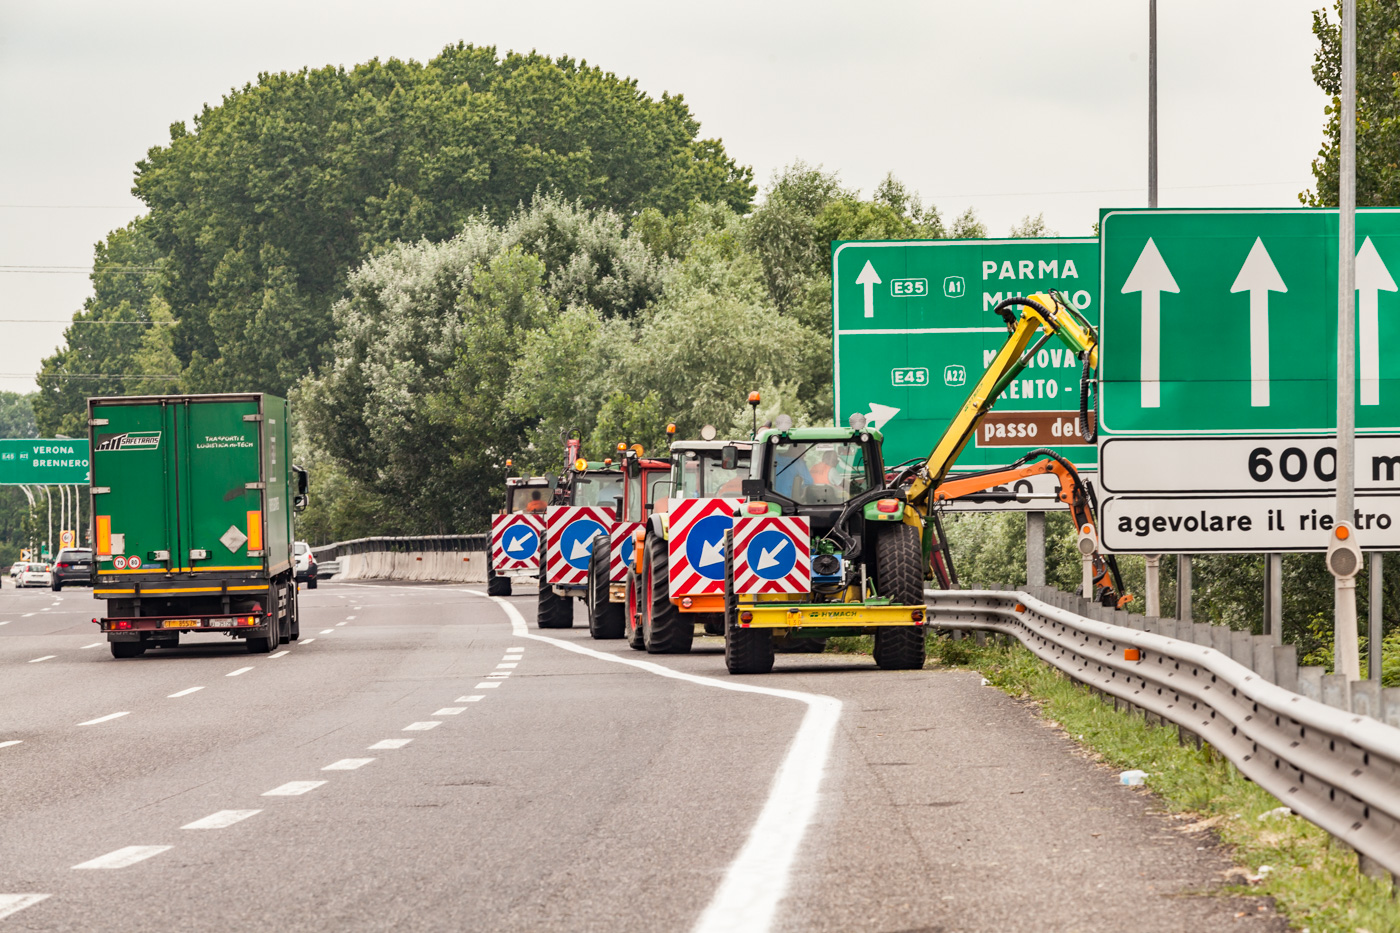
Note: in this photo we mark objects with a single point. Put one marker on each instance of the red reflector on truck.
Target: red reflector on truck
(757, 508)
(121, 624)
(917, 616)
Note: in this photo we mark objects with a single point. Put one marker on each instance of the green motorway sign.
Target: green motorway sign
(913, 330)
(43, 462)
(1225, 322)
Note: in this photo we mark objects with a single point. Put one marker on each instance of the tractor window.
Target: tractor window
(819, 472)
(702, 475)
(632, 501)
(529, 499)
(598, 489)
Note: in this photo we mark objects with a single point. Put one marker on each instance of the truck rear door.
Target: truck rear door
(133, 486)
(220, 479)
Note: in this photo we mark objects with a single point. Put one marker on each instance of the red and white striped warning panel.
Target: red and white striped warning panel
(569, 531)
(696, 548)
(772, 554)
(622, 548)
(515, 542)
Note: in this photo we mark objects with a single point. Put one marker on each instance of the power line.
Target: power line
(83, 270)
(57, 321)
(1027, 194)
(87, 376)
(71, 207)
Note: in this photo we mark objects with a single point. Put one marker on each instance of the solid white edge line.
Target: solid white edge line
(756, 881)
(121, 858)
(14, 903)
(221, 819)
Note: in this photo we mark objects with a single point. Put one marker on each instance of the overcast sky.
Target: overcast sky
(1014, 107)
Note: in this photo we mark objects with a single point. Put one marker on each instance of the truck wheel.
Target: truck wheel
(498, 586)
(555, 611)
(262, 644)
(714, 623)
(127, 649)
(664, 629)
(899, 578)
(746, 650)
(632, 615)
(604, 616)
(56, 586)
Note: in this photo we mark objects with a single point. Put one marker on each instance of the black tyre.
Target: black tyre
(311, 582)
(632, 613)
(714, 623)
(746, 650)
(664, 629)
(262, 644)
(899, 577)
(56, 586)
(498, 586)
(604, 616)
(127, 649)
(294, 627)
(555, 611)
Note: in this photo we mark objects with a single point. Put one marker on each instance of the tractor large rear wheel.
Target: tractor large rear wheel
(746, 650)
(899, 578)
(496, 586)
(604, 616)
(632, 615)
(665, 630)
(555, 611)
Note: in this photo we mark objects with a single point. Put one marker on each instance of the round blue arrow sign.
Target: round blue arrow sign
(520, 542)
(576, 543)
(771, 554)
(704, 546)
(629, 547)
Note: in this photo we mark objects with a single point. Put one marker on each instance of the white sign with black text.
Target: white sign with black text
(1241, 524)
(1244, 464)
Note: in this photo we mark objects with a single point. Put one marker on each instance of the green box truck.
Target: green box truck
(192, 502)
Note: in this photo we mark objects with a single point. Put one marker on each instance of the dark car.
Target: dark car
(73, 565)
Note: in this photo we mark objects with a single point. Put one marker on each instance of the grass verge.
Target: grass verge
(1313, 880)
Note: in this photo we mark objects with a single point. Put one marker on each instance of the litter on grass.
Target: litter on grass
(1132, 777)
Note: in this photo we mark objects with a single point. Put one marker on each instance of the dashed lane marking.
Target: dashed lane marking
(757, 880)
(389, 743)
(6, 622)
(107, 718)
(450, 711)
(221, 819)
(96, 644)
(14, 903)
(327, 631)
(347, 764)
(293, 789)
(7, 744)
(487, 686)
(123, 857)
(278, 654)
(506, 665)
(47, 657)
(241, 670)
(349, 618)
(306, 641)
(28, 614)
(339, 624)
(422, 726)
(471, 699)
(184, 693)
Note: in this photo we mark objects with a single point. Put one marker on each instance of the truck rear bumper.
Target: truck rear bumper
(247, 624)
(827, 615)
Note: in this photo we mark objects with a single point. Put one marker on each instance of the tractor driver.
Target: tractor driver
(536, 503)
(790, 473)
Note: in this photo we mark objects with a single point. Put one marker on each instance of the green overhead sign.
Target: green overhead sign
(43, 462)
(914, 329)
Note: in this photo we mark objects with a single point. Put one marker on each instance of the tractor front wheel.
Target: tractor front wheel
(664, 629)
(604, 616)
(899, 578)
(746, 650)
(555, 611)
(632, 615)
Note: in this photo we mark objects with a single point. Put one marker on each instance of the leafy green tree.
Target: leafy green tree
(1032, 227)
(17, 415)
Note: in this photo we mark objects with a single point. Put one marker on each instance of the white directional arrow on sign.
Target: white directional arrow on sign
(1151, 276)
(869, 279)
(581, 550)
(1372, 278)
(517, 543)
(1258, 276)
(767, 558)
(879, 415)
(711, 552)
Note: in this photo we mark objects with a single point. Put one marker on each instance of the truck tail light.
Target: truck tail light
(121, 624)
(104, 536)
(245, 620)
(745, 618)
(255, 536)
(917, 615)
(888, 506)
(687, 602)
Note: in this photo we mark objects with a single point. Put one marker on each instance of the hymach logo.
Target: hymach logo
(148, 440)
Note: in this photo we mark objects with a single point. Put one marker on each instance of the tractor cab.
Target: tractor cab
(708, 468)
(815, 472)
(643, 478)
(528, 494)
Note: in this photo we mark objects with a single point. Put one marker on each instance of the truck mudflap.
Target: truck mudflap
(828, 615)
(246, 623)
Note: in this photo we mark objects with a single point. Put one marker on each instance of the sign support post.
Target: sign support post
(1374, 657)
(1346, 659)
(1183, 587)
(1035, 548)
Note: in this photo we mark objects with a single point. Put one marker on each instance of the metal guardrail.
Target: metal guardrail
(386, 543)
(1334, 767)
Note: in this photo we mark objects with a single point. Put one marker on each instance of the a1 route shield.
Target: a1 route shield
(914, 330)
(772, 554)
(569, 532)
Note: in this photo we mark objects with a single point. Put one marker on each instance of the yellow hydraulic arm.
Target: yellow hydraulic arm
(1046, 314)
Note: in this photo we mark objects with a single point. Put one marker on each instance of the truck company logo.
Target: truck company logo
(145, 440)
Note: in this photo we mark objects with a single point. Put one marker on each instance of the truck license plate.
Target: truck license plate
(181, 623)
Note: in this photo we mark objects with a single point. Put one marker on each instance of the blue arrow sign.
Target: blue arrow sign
(576, 542)
(520, 541)
(629, 547)
(704, 545)
(771, 554)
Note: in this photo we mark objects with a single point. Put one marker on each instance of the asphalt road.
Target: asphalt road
(422, 760)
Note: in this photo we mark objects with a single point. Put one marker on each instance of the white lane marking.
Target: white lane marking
(109, 716)
(347, 764)
(7, 622)
(470, 699)
(293, 788)
(45, 609)
(357, 607)
(422, 726)
(123, 857)
(450, 711)
(14, 903)
(306, 641)
(96, 644)
(7, 744)
(757, 879)
(339, 624)
(241, 670)
(349, 618)
(278, 654)
(389, 743)
(47, 657)
(487, 686)
(27, 615)
(326, 631)
(184, 693)
(221, 819)
(506, 666)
